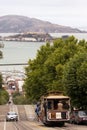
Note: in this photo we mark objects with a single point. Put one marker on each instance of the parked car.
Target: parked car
(78, 116)
(12, 116)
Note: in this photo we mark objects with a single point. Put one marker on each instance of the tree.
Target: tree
(75, 80)
(1, 46)
(35, 74)
(0, 54)
(63, 51)
(1, 80)
(4, 97)
(55, 68)
(0, 73)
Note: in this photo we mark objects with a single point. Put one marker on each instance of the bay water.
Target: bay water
(15, 52)
(18, 52)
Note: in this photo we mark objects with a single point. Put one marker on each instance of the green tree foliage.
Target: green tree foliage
(75, 80)
(4, 97)
(57, 66)
(54, 65)
(1, 55)
(1, 81)
(19, 98)
(35, 74)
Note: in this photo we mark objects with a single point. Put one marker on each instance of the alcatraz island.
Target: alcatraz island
(28, 37)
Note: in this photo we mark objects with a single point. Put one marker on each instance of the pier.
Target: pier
(13, 64)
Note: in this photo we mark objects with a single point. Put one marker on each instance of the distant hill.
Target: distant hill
(18, 24)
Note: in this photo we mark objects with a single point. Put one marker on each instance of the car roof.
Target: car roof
(12, 112)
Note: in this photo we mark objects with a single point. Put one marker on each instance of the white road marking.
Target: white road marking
(4, 124)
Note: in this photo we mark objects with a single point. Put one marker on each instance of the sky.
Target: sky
(71, 13)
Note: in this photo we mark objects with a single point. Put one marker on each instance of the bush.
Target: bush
(20, 99)
(4, 97)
